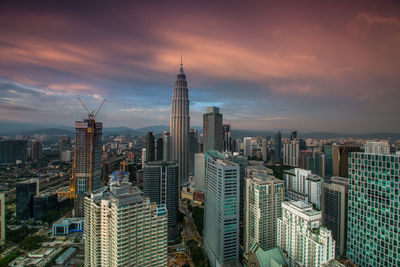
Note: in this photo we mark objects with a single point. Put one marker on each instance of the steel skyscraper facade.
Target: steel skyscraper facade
(179, 126)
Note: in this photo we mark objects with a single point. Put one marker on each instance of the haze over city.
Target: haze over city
(309, 65)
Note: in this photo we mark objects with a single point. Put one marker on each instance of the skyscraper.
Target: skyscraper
(277, 147)
(263, 205)
(328, 160)
(199, 171)
(64, 144)
(25, 191)
(36, 152)
(160, 149)
(13, 151)
(193, 149)
(264, 149)
(291, 152)
(123, 228)
(86, 169)
(247, 146)
(179, 126)
(167, 149)
(227, 138)
(221, 210)
(212, 129)
(373, 209)
(2, 219)
(160, 184)
(334, 195)
(301, 236)
(340, 155)
(150, 148)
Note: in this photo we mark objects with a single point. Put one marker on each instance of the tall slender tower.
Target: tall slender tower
(179, 125)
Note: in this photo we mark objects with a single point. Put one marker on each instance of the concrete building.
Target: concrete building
(301, 236)
(221, 210)
(180, 125)
(2, 219)
(212, 129)
(377, 147)
(291, 152)
(264, 195)
(144, 156)
(86, 169)
(36, 152)
(373, 209)
(247, 146)
(199, 171)
(334, 210)
(25, 191)
(123, 228)
(13, 151)
(160, 184)
(64, 144)
(264, 149)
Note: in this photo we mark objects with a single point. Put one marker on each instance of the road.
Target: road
(189, 227)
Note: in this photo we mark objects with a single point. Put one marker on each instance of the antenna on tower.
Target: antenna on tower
(92, 115)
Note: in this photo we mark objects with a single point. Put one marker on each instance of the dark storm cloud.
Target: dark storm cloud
(312, 65)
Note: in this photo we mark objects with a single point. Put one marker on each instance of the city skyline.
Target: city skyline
(304, 68)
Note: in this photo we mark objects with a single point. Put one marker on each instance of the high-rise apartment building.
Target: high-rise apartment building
(36, 152)
(212, 129)
(373, 209)
(334, 195)
(291, 152)
(340, 159)
(247, 146)
(2, 219)
(13, 151)
(221, 210)
(301, 236)
(160, 184)
(278, 147)
(264, 195)
(25, 191)
(150, 147)
(227, 138)
(179, 126)
(86, 168)
(123, 228)
(199, 171)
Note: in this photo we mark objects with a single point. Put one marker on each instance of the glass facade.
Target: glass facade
(373, 212)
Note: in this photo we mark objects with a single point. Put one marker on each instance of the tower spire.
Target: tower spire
(181, 59)
(181, 68)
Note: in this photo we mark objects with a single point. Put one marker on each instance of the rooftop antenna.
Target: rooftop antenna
(92, 115)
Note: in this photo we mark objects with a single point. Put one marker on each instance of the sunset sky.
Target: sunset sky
(306, 65)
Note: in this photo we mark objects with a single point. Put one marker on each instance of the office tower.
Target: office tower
(316, 163)
(264, 149)
(303, 144)
(334, 210)
(247, 146)
(303, 159)
(43, 203)
(25, 191)
(193, 149)
(293, 135)
(377, 147)
(227, 138)
(264, 195)
(340, 155)
(179, 126)
(123, 228)
(86, 168)
(291, 152)
(13, 151)
(144, 157)
(2, 219)
(36, 152)
(160, 184)
(301, 236)
(64, 144)
(212, 129)
(301, 184)
(221, 210)
(277, 147)
(167, 149)
(373, 209)
(328, 160)
(160, 149)
(150, 149)
(199, 171)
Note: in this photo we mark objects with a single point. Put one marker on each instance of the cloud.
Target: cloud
(15, 107)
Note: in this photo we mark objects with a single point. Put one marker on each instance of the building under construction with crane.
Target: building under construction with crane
(86, 169)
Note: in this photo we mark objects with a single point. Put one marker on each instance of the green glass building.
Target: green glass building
(373, 237)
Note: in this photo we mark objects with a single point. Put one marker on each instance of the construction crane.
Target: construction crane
(92, 115)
